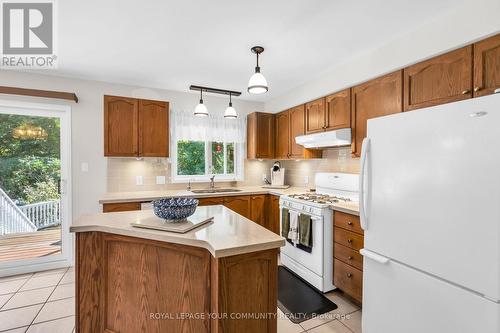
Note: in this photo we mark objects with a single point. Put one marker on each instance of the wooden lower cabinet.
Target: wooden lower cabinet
(128, 285)
(239, 204)
(120, 207)
(348, 262)
(210, 201)
(273, 213)
(258, 209)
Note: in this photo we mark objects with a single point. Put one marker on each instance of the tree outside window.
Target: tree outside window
(199, 158)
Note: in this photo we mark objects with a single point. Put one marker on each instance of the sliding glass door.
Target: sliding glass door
(34, 187)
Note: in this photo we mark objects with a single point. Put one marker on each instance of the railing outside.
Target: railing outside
(12, 219)
(43, 214)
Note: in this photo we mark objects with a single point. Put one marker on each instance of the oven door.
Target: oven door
(312, 261)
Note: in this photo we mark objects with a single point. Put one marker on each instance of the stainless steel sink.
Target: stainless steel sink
(217, 190)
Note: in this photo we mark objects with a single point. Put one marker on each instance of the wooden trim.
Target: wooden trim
(39, 93)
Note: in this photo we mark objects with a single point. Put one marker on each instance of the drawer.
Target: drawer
(347, 238)
(120, 207)
(348, 256)
(348, 279)
(210, 201)
(347, 221)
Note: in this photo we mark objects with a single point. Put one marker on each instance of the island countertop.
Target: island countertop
(229, 234)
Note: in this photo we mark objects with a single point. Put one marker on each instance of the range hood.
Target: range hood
(337, 138)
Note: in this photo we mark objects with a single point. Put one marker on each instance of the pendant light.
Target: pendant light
(257, 83)
(201, 109)
(230, 111)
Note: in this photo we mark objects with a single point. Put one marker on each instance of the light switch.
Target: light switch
(139, 180)
(84, 167)
(160, 180)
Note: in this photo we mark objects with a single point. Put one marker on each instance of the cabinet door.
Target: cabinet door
(120, 126)
(443, 79)
(282, 135)
(487, 66)
(260, 135)
(153, 128)
(375, 98)
(297, 128)
(258, 209)
(338, 110)
(273, 214)
(240, 205)
(315, 116)
(210, 201)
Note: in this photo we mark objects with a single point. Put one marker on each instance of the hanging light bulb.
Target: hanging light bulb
(257, 83)
(201, 109)
(230, 111)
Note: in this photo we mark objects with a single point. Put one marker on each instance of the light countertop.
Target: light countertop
(139, 196)
(229, 234)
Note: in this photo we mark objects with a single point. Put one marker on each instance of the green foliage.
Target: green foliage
(230, 158)
(29, 168)
(190, 158)
(217, 157)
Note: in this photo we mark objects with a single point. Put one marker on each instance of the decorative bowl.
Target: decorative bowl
(174, 209)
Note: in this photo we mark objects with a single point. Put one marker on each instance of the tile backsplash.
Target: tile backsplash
(122, 172)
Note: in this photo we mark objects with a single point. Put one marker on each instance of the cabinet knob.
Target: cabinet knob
(476, 89)
(349, 223)
(349, 241)
(496, 91)
(349, 275)
(465, 92)
(350, 258)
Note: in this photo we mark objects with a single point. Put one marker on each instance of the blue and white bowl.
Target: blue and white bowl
(174, 209)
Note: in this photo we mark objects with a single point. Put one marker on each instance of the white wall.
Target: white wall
(87, 123)
(473, 20)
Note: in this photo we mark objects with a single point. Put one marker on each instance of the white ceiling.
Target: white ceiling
(172, 44)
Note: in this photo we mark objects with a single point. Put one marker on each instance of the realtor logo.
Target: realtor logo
(28, 34)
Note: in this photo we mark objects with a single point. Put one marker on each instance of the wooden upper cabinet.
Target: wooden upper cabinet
(153, 128)
(315, 116)
(121, 126)
(487, 66)
(282, 121)
(375, 98)
(135, 127)
(338, 110)
(443, 79)
(297, 128)
(260, 135)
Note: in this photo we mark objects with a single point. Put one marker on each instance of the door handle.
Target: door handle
(365, 147)
(373, 256)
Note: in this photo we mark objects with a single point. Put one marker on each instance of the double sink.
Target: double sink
(217, 190)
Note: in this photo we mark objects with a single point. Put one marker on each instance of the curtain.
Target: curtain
(186, 126)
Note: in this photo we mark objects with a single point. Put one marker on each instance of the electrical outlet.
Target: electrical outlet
(306, 179)
(139, 180)
(160, 180)
(264, 177)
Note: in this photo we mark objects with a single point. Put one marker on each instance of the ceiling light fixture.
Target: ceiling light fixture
(201, 109)
(230, 111)
(257, 83)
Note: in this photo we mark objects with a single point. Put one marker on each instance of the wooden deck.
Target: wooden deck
(30, 245)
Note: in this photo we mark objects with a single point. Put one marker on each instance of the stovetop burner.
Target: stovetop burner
(319, 198)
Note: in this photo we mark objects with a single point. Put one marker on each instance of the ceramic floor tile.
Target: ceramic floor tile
(42, 281)
(56, 309)
(52, 271)
(333, 326)
(286, 326)
(71, 269)
(17, 330)
(4, 299)
(353, 321)
(19, 317)
(62, 325)
(16, 277)
(344, 307)
(29, 297)
(63, 291)
(69, 277)
(9, 287)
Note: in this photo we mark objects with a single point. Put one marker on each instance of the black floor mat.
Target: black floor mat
(298, 300)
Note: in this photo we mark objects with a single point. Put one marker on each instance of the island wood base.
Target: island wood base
(130, 285)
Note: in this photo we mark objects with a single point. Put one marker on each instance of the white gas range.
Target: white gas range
(316, 266)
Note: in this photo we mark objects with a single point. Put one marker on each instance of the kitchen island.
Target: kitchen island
(221, 277)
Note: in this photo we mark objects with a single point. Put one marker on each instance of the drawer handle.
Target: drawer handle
(349, 223)
(349, 241)
(349, 275)
(476, 89)
(465, 92)
(350, 258)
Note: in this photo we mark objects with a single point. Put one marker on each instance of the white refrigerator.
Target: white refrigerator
(430, 208)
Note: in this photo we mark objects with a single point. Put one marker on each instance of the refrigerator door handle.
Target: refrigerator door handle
(365, 147)
(373, 256)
